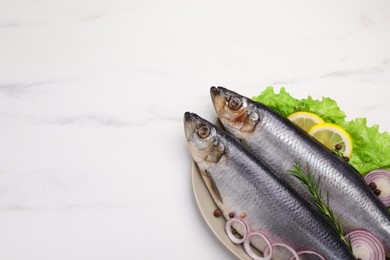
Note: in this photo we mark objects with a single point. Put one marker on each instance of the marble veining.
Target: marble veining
(384, 64)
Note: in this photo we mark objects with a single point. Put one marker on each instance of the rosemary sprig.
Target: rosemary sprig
(319, 204)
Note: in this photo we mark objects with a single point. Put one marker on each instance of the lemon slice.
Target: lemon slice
(334, 137)
(305, 120)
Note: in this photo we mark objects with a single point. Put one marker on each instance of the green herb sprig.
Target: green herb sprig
(319, 204)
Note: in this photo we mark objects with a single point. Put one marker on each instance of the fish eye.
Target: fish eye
(204, 131)
(235, 103)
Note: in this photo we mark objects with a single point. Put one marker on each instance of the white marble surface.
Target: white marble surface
(93, 161)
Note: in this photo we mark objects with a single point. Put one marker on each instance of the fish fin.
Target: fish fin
(213, 188)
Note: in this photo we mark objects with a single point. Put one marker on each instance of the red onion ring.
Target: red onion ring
(365, 245)
(228, 230)
(249, 251)
(382, 179)
(293, 252)
(311, 253)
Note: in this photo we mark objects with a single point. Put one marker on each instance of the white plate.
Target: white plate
(207, 206)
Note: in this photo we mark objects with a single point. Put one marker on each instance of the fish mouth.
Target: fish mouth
(191, 118)
(192, 122)
(221, 91)
(218, 98)
(217, 91)
(189, 124)
(214, 91)
(188, 116)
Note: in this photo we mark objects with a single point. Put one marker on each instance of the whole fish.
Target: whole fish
(239, 183)
(279, 143)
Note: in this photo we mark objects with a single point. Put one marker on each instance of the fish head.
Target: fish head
(207, 148)
(237, 113)
(203, 140)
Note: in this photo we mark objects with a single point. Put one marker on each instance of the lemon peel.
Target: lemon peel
(305, 120)
(332, 135)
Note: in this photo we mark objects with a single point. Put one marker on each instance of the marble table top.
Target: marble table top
(93, 160)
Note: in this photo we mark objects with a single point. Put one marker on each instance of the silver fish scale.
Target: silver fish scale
(270, 206)
(278, 143)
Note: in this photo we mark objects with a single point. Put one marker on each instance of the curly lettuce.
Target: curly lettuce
(371, 148)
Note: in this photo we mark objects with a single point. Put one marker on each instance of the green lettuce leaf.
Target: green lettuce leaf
(283, 102)
(371, 149)
(326, 108)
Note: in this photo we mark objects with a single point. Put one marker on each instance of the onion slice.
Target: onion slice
(293, 252)
(382, 180)
(365, 245)
(229, 233)
(311, 253)
(249, 251)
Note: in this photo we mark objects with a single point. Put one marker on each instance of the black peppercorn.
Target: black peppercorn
(372, 185)
(217, 213)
